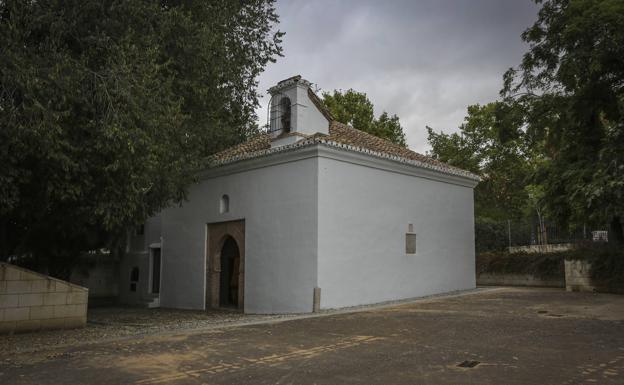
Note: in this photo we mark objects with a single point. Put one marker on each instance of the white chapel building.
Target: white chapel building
(313, 214)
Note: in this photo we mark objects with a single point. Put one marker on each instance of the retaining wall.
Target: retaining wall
(31, 301)
(486, 279)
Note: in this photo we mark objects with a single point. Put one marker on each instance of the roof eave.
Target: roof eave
(255, 158)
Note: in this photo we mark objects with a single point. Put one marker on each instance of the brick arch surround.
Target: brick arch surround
(217, 234)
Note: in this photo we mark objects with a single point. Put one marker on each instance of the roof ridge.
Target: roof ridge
(394, 145)
(321, 106)
(343, 136)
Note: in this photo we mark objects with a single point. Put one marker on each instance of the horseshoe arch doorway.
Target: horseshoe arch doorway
(225, 265)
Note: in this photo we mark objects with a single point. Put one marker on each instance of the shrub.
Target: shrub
(541, 265)
(490, 236)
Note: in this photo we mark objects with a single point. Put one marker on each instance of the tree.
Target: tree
(108, 108)
(355, 109)
(485, 147)
(571, 85)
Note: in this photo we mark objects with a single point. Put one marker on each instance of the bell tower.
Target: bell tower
(294, 113)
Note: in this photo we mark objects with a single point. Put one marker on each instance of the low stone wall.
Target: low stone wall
(31, 301)
(488, 279)
(578, 276)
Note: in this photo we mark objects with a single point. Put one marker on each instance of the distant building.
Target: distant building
(312, 214)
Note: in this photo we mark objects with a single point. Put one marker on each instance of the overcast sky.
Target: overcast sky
(425, 61)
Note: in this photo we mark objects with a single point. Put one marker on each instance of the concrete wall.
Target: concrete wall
(279, 206)
(128, 262)
(518, 280)
(364, 212)
(578, 276)
(31, 301)
(138, 255)
(99, 273)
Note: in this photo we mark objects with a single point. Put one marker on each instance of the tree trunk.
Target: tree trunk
(616, 233)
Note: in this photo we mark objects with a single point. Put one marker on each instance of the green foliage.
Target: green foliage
(107, 109)
(553, 146)
(609, 271)
(570, 86)
(490, 235)
(355, 109)
(489, 144)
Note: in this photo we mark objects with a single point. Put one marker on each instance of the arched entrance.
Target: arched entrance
(228, 278)
(225, 265)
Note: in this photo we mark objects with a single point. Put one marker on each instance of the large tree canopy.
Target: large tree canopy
(503, 162)
(355, 109)
(107, 109)
(571, 85)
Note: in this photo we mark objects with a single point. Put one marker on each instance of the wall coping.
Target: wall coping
(344, 153)
(43, 276)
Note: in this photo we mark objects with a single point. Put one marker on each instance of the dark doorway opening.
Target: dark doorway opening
(134, 278)
(230, 263)
(156, 271)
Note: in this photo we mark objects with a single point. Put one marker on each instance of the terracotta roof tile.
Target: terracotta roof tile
(340, 135)
(255, 143)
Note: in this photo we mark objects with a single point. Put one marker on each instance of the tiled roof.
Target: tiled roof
(340, 136)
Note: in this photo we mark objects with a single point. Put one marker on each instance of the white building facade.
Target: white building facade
(309, 217)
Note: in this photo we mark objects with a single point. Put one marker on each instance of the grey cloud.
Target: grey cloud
(425, 61)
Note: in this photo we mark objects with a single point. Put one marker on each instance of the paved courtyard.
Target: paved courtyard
(502, 336)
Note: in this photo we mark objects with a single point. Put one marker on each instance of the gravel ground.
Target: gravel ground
(112, 323)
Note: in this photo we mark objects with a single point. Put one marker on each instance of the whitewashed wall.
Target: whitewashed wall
(320, 217)
(279, 206)
(138, 255)
(364, 214)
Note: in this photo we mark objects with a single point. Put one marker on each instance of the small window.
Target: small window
(225, 204)
(134, 278)
(410, 243)
(134, 274)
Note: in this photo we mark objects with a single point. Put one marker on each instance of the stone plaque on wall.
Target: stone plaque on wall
(410, 243)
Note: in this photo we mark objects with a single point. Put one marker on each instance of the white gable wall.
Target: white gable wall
(364, 214)
(308, 120)
(279, 206)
